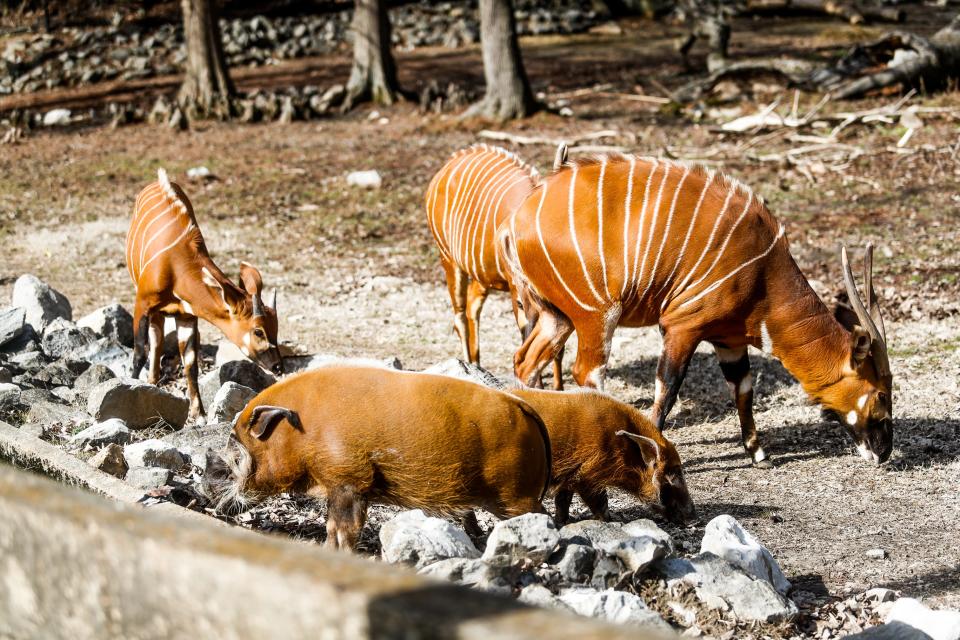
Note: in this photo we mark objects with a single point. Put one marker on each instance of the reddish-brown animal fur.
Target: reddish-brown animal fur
(628, 241)
(363, 435)
(599, 442)
(174, 276)
(467, 200)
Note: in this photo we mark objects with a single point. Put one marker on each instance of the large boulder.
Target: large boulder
(242, 372)
(153, 453)
(138, 404)
(618, 607)
(723, 586)
(13, 323)
(41, 302)
(939, 625)
(644, 527)
(414, 538)
(111, 321)
(229, 401)
(531, 538)
(726, 538)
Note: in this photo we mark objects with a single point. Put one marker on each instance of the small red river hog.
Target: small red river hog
(360, 435)
(599, 442)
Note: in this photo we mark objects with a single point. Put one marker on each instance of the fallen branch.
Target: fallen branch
(503, 136)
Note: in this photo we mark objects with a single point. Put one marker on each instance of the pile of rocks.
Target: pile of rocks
(125, 51)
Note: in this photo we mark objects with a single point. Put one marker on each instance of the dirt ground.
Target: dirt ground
(357, 275)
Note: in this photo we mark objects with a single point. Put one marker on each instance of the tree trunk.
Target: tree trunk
(508, 92)
(207, 87)
(374, 73)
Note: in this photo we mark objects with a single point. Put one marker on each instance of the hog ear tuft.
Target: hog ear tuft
(649, 449)
(265, 418)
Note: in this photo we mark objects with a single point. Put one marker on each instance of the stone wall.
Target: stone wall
(76, 565)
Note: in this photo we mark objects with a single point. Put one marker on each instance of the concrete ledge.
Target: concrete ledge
(74, 565)
(27, 452)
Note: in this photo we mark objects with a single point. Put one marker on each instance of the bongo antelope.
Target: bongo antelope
(625, 241)
(466, 201)
(174, 276)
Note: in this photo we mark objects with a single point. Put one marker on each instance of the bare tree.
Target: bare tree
(374, 73)
(206, 87)
(508, 92)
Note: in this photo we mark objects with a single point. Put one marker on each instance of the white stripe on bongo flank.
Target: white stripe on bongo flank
(482, 213)
(726, 241)
(666, 230)
(706, 247)
(146, 245)
(190, 227)
(135, 232)
(603, 261)
(445, 222)
(543, 247)
(493, 227)
(693, 221)
(160, 216)
(469, 210)
(717, 283)
(626, 226)
(573, 235)
(653, 224)
(640, 221)
(462, 186)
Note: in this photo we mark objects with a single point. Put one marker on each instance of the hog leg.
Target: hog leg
(346, 514)
(561, 503)
(596, 501)
(470, 524)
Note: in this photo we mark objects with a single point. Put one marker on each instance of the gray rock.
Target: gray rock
(229, 401)
(636, 553)
(195, 440)
(6, 376)
(891, 631)
(111, 321)
(881, 594)
(938, 624)
(110, 354)
(531, 538)
(575, 562)
(110, 460)
(147, 478)
(470, 572)
(63, 339)
(593, 533)
(618, 607)
(9, 396)
(876, 554)
(13, 323)
(94, 375)
(456, 368)
(138, 404)
(153, 453)
(41, 302)
(29, 360)
(35, 429)
(243, 372)
(726, 538)
(113, 431)
(723, 586)
(538, 595)
(55, 374)
(649, 528)
(414, 538)
(608, 572)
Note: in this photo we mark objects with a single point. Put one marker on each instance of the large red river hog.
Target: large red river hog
(599, 442)
(360, 435)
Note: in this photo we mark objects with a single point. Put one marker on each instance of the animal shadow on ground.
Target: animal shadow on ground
(704, 392)
(935, 582)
